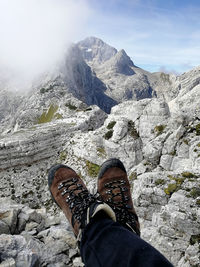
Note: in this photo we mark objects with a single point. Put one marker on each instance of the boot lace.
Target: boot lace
(120, 206)
(78, 202)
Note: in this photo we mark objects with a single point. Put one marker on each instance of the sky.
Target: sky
(158, 35)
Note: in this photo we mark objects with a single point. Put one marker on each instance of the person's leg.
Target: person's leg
(106, 243)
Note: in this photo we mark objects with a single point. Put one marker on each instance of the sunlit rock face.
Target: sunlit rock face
(157, 137)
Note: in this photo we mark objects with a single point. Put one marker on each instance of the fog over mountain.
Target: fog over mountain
(35, 35)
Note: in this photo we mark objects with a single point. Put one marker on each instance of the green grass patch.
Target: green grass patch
(160, 182)
(92, 169)
(108, 135)
(185, 141)
(132, 130)
(101, 151)
(173, 153)
(111, 125)
(194, 239)
(171, 188)
(195, 192)
(198, 202)
(58, 116)
(42, 90)
(63, 155)
(197, 127)
(179, 180)
(70, 106)
(188, 175)
(49, 115)
(45, 90)
(159, 129)
(133, 176)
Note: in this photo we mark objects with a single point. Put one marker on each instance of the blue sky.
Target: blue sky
(156, 34)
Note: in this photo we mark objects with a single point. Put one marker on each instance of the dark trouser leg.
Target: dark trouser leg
(107, 244)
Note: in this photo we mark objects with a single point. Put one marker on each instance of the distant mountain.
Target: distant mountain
(123, 80)
(96, 74)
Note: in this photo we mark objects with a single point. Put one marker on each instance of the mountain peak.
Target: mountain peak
(92, 40)
(123, 58)
(96, 51)
(121, 63)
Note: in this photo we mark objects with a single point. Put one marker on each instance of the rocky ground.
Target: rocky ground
(158, 140)
(33, 237)
(161, 151)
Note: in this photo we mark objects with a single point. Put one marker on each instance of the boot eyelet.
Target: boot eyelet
(74, 179)
(64, 192)
(60, 186)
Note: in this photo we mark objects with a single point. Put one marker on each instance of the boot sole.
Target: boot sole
(113, 162)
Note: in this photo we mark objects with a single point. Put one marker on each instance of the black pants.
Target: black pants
(107, 244)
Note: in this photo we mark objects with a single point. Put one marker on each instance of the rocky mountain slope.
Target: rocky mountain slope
(158, 139)
(96, 74)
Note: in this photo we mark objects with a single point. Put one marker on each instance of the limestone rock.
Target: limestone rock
(53, 245)
(8, 263)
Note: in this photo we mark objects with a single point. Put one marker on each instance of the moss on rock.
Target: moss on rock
(70, 106)
(132, 130)
(111, 125)
(188, 175)
(48, 116)
(197, 129)
(159, 129)
(101, 151)
(195, 192)
(160, 182)
(171, 188)
(108, 135)
(92, 168)
(63, 155)
(133, 176)
(194, 239)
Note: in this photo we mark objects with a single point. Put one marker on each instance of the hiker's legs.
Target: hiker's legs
(103, 242)
(106, 243)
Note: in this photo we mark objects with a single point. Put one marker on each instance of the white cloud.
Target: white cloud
(35, 33)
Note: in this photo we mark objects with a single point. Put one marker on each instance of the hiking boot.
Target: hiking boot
(71, 195)
(114, 189)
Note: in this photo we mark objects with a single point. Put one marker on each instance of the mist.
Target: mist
(35, 35)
